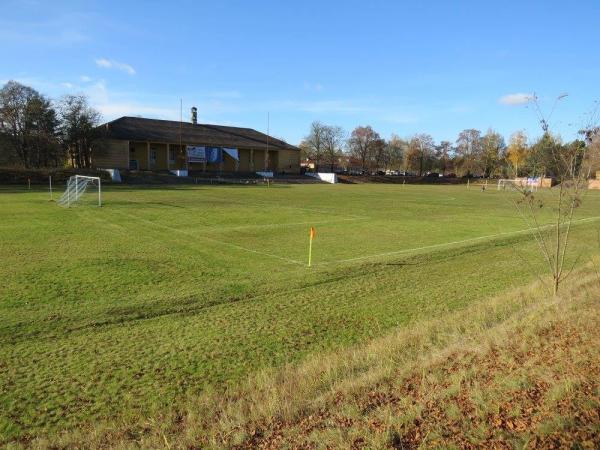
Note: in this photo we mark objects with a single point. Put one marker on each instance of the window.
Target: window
(153, 156)
(171, 155)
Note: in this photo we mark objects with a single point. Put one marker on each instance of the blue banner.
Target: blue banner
(214, 155)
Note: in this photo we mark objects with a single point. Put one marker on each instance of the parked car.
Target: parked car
(433, 175)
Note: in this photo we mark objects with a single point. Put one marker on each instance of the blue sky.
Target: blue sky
(401, 67)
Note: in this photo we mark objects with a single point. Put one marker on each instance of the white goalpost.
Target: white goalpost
(529, 184)
(504, 183)
(76, 187)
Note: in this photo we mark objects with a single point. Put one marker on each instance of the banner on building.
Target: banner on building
(210, 155)
(196, 154)
(214, 155)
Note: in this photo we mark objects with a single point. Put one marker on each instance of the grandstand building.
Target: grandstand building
(148, 144)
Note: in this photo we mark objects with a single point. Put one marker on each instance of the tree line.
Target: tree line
(36, 131)
(473, 153)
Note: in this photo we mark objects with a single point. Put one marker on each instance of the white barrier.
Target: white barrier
(115, 175)
(323, 176)
(180, 172)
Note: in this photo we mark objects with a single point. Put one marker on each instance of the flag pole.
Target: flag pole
(310, 241)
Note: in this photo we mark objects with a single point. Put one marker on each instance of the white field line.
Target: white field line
(201, 236)
(448, 244)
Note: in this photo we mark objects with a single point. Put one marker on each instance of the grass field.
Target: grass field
(123, 312)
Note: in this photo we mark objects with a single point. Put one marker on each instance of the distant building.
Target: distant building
(148, 144)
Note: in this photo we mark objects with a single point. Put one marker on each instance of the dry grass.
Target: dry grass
(519, 370)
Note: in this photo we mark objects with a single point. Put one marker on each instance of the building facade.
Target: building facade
(149, 144)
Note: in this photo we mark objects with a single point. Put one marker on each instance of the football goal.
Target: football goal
(521, 184)
(77, 185)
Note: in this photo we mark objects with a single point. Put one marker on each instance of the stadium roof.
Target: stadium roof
(154, 130)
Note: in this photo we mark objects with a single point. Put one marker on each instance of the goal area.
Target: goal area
(77, 185)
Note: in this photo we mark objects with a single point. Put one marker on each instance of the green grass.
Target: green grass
(125, 311)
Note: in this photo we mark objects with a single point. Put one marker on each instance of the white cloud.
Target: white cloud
(112, 64)
(67, 85)
(516, 99)
(85, 78)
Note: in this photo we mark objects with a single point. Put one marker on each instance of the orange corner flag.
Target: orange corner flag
(312, 236)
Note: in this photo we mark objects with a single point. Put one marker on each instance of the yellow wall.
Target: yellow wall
(288, 161)
(229, 164)
(116, 154)
(139, 152)
(259, 160)
(161, 162)
(244, 160)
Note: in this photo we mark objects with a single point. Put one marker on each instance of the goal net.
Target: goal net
(77, 186)
(506, 184)
(519, 184)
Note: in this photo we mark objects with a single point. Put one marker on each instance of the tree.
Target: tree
(542, 156)
(591, 137)
(517, 150)
(468, 148)
(361, 145)
(78, 129)
(333, 139)
(443, 152)
(420, 152)
(313, 145)
(493, 152)
(28, 124)
(571, 166)
(379, 156)
(395, 148)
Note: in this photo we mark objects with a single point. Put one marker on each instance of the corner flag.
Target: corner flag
(312, 236)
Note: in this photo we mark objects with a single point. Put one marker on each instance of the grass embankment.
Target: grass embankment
(518, 370)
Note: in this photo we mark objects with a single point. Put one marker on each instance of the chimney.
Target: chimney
(194, 115)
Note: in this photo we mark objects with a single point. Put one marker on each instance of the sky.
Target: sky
(403, 67)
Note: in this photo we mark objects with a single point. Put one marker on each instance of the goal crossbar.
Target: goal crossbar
(76, 187)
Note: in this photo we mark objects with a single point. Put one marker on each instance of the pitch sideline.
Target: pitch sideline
(448, 244)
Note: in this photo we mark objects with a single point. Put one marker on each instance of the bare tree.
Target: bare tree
(420, 152)
(333, 140)
(361, 144)
(313, 145)
(468, 148)
(379, 154)
(571, 166)
(395, 151)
